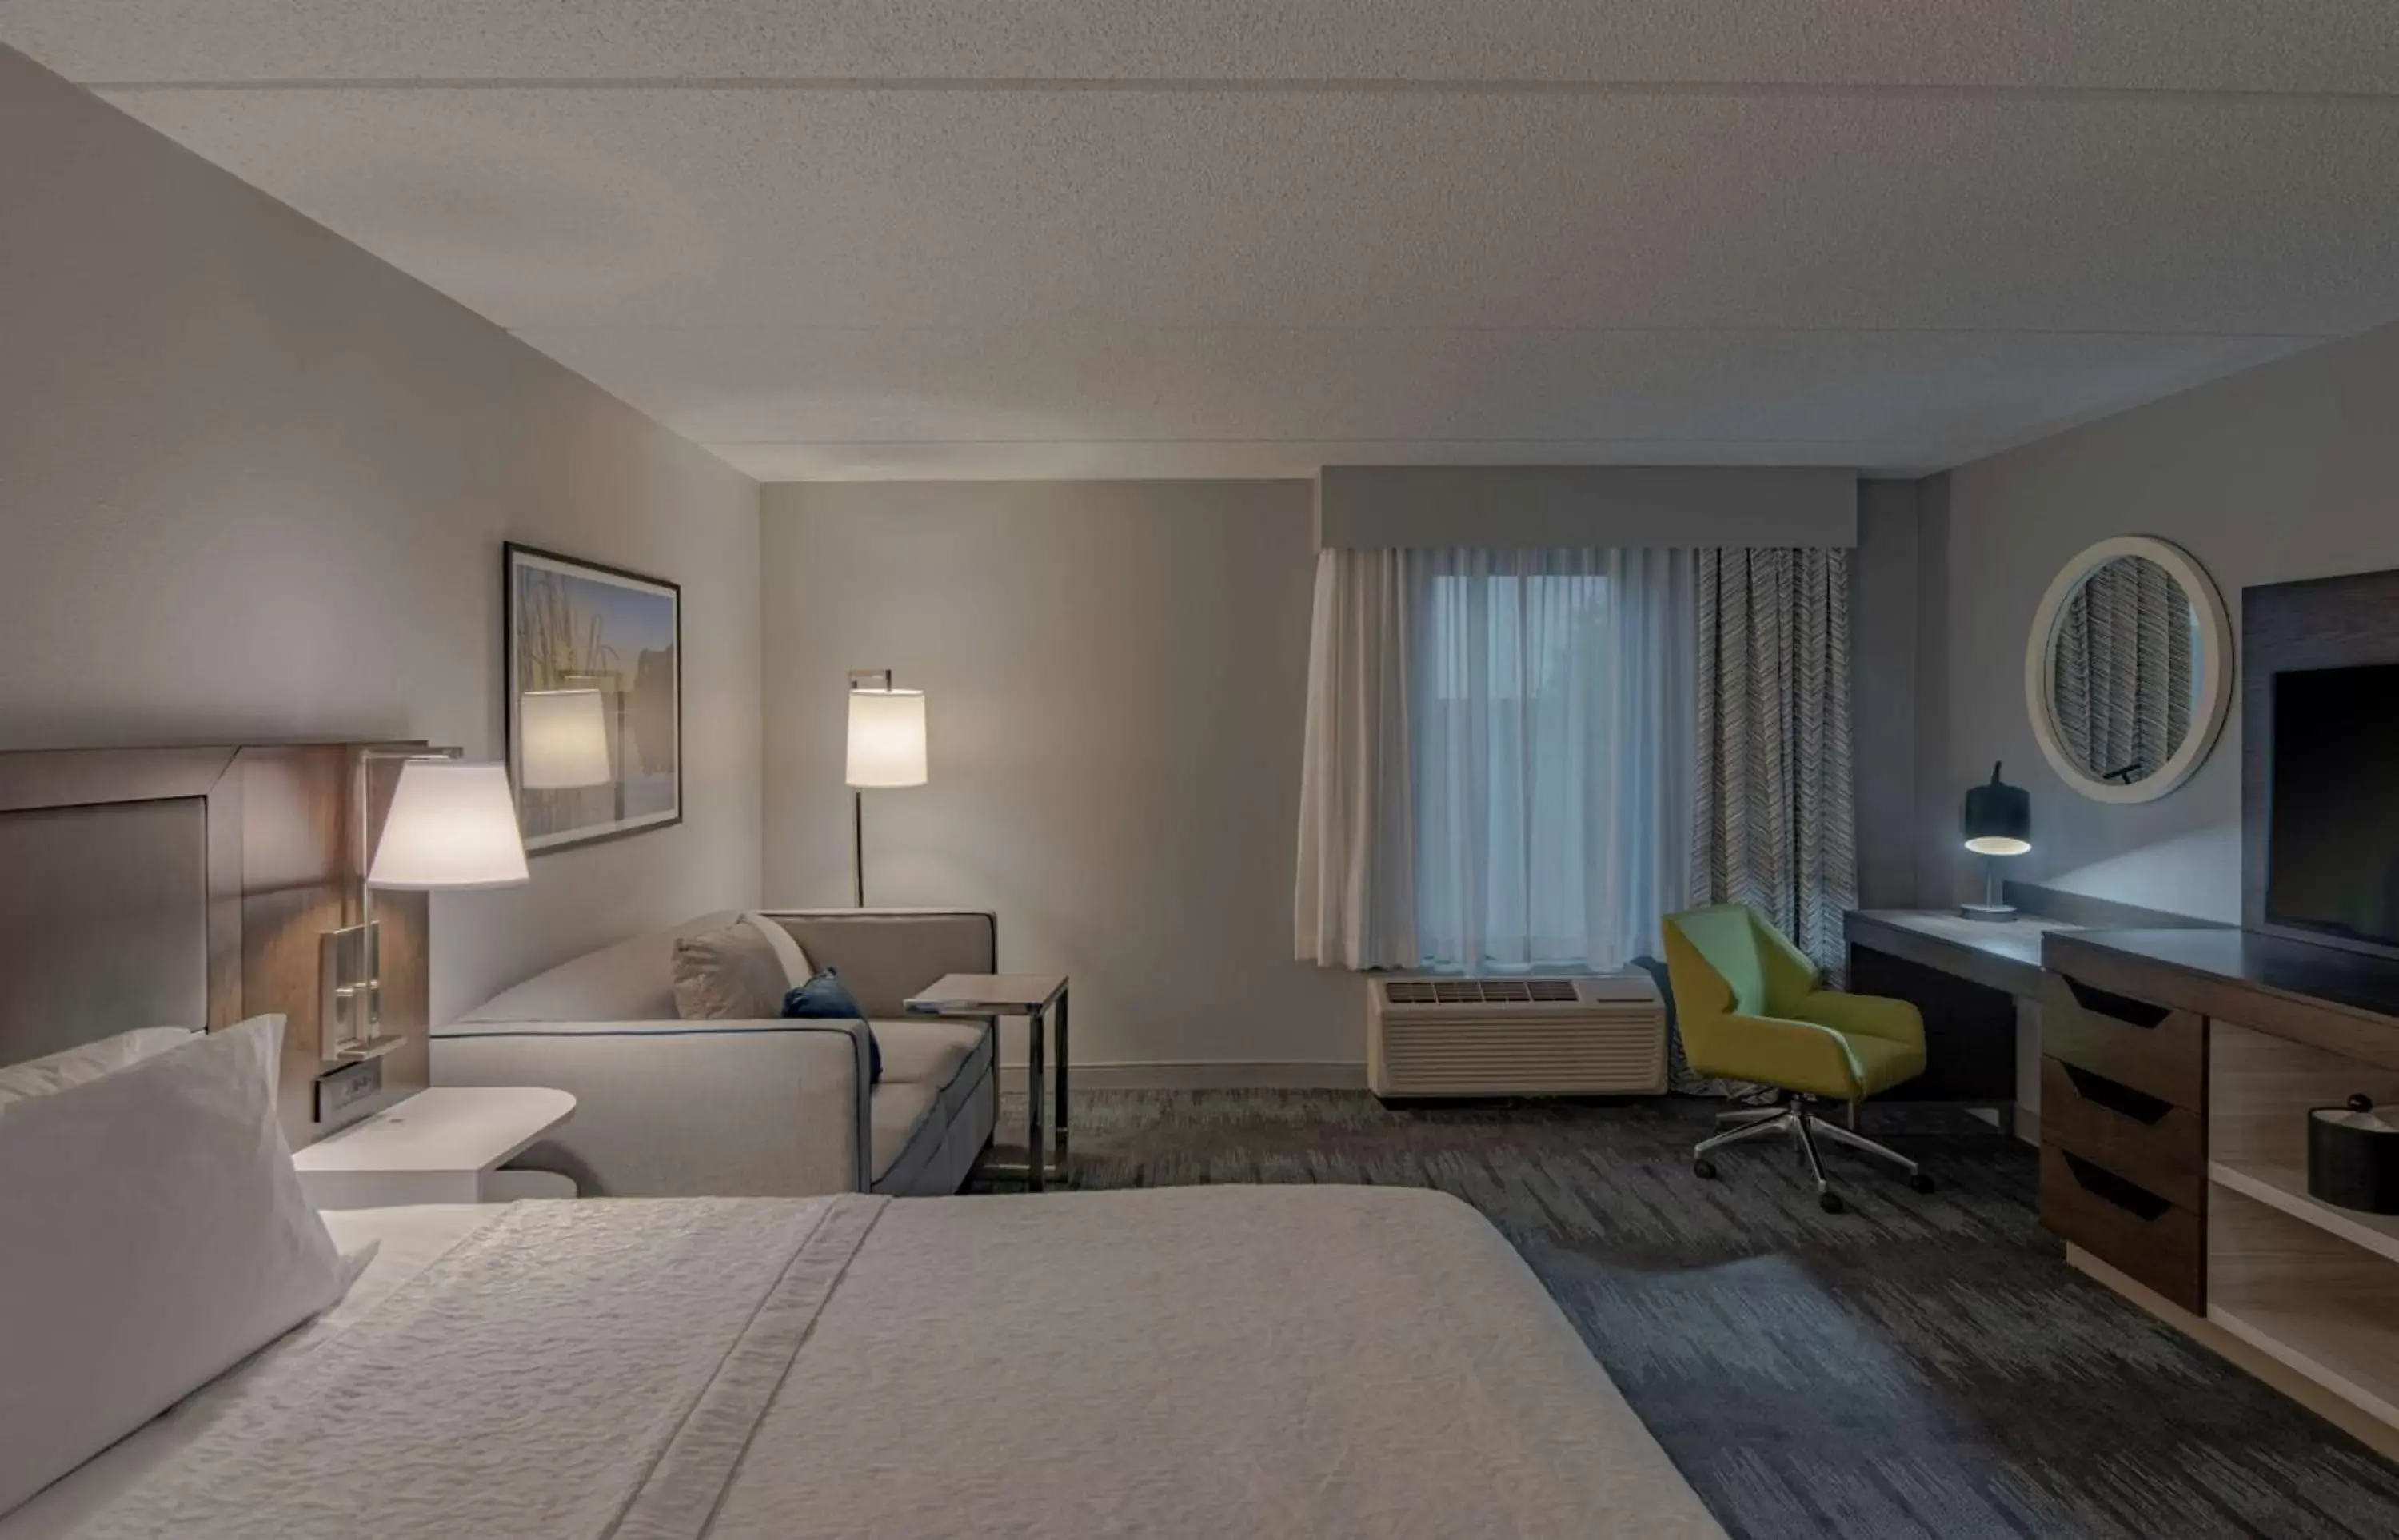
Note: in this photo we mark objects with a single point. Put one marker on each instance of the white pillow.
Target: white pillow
(153, 1235)
(797, 969)
(55, 1071)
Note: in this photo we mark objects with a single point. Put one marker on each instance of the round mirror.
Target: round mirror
(2128, 671)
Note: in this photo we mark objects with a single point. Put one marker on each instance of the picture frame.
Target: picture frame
(593, 677)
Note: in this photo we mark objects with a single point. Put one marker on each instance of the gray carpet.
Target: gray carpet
(1919, 1366)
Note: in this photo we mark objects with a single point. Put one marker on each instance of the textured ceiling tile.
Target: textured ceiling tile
(2288, 45)
(556, 208)
(1215, 459)
(1886, 233)
(758, 385)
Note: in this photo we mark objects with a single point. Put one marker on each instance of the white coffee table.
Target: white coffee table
(443, 1145)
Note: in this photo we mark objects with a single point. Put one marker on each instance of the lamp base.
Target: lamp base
(349, 991)
(1994, 905)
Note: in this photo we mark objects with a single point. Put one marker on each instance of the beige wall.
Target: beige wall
(2288, 471)
(254, 484)
(1117, 675)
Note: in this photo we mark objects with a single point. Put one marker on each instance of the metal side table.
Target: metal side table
(1040, 998)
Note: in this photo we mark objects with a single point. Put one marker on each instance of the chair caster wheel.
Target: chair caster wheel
(1921, 1183)
(1830, 1202)
(1705, 1169)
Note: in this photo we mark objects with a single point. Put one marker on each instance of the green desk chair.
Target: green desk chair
(1751, 1007)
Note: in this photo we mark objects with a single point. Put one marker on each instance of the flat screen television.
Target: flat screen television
(2332, 838)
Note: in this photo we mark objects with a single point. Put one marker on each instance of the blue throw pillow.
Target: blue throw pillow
(826, 998)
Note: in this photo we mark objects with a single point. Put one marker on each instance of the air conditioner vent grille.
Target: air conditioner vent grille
(1590, 1035)
(1479, 992)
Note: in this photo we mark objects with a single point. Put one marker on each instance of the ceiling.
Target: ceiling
(1084, 238)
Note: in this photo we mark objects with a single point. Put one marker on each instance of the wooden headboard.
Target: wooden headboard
(189, 886)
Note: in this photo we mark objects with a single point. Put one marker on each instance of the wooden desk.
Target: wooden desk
(1975, 981)
(2187, 1060)
(2002, 955)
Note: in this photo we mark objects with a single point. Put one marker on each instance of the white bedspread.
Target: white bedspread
(1196, 1362)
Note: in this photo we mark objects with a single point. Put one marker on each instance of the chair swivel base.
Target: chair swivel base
(1797, 1117)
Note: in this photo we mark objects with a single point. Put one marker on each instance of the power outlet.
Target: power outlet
(346, 1086)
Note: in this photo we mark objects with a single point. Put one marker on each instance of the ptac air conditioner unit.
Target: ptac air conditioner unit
(1599, 1036)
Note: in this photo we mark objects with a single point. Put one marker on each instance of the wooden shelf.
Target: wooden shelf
(2349, 1349)
(2312, 1287)
(2283, 1188)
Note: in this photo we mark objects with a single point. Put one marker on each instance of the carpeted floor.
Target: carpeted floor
(1919, 1366)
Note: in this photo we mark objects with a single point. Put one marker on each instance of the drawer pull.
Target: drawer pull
(2121, 1007)
(2107, 1186)
(2122, 1100)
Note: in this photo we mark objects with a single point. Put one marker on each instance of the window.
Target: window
(1550, 737)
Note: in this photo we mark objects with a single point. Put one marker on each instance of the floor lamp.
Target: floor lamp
(887, 748)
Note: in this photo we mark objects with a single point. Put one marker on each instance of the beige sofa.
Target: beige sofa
(670, 1108)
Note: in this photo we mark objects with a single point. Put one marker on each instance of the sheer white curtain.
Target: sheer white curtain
(1554, 733)
(1499, 756)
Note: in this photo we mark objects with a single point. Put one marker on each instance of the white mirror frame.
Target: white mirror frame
(2216, 658)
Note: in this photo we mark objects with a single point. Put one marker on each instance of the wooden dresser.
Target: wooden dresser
(2177, 1067)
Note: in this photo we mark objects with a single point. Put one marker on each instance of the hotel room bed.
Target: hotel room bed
(1201, 1362)
(1197, 1362)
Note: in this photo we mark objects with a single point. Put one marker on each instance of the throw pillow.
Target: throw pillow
(727, 975)
(826, 998)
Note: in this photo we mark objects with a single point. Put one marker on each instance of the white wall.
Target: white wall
(1116, 675)
(254, 484)
(2288, 471)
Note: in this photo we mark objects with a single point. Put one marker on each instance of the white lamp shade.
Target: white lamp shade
(886, 737)
(450, 824)
(562, 739)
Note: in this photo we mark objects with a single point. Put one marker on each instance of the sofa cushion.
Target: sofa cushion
(729, 974)
(950, 1057)
(885, 956)
(632, 980)
(904, 1131)
(797, 969)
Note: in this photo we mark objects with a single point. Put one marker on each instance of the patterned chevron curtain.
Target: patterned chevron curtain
(2123, 669)
(1773, 825)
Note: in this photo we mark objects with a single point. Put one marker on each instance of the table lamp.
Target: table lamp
(1997, 824)
(887, 748)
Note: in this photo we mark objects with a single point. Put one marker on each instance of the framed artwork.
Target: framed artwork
(594, 690)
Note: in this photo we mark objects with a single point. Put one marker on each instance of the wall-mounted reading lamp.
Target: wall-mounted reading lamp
(451, 825)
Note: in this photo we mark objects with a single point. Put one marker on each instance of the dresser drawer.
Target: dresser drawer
(2132, 1229)
(2149, 1140)
(2149, 1047)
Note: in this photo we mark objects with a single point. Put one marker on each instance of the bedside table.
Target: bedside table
(442, 1145)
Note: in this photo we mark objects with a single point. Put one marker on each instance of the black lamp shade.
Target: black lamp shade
(1999, 818)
